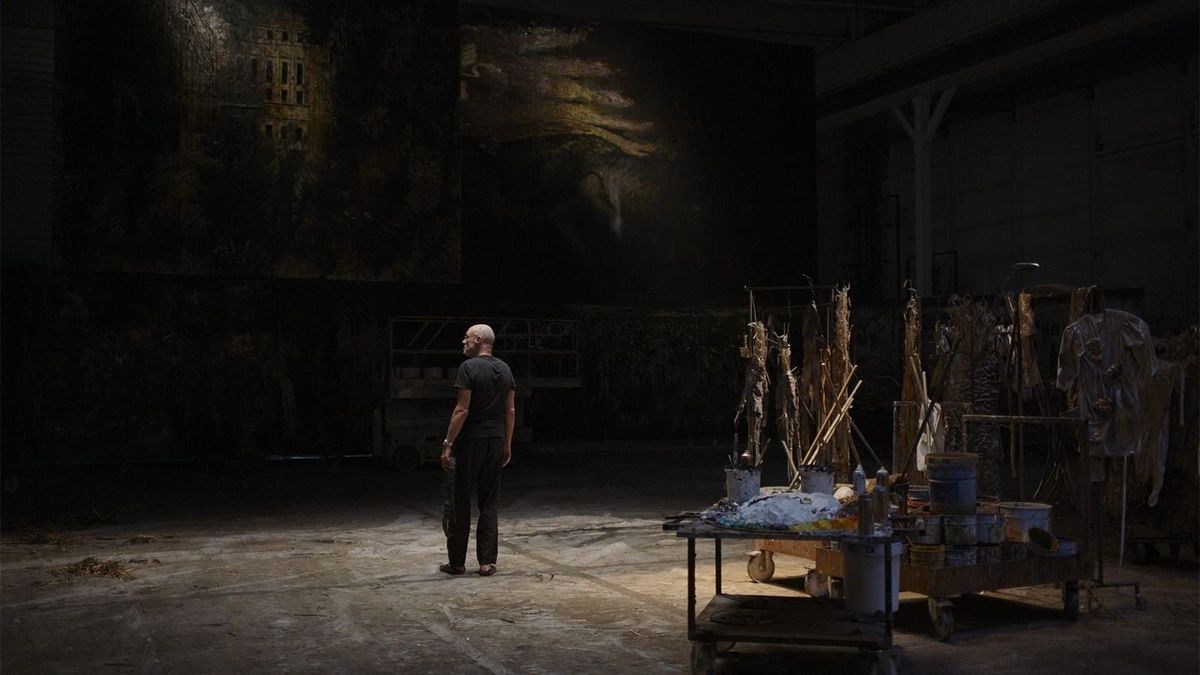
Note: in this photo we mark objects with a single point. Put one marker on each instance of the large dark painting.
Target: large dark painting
(606, 161)
(259, 138)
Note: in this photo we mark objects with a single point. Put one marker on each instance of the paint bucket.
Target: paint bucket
(960, 530)
(927, 556)
(952, 482)
(816, 479)
(989, 528)
(863, 577)
(918, 497)
(1020, 516)
(960, 556)
(988, 555)
(1014, 550)
(742, 484)
(932, 525)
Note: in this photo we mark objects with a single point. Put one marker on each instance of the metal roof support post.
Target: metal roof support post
(921, 131)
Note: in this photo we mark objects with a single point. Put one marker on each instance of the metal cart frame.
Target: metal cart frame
(778, 619)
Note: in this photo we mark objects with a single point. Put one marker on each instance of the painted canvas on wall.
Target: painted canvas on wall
(260, 138)
(607, 161)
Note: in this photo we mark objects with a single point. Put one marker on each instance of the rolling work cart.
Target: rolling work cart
(777, 619)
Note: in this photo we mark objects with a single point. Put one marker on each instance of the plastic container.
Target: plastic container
(742, 484)
(933, 530)
(960, 556)
(1020, 516)
(927, 556)
(959, 530)
(816, 479)
(989, 528)
(863, 580)
(952, 482)
(988, 555)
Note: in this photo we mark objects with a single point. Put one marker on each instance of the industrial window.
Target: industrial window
(270, 70)
(283, 95)
(299, 73)
(282, 133)
(285, 36)
(270, 131)
(270, 35)
(299, 98)
(283, 72)
(268, 94)
(299, 134)
(253, 69)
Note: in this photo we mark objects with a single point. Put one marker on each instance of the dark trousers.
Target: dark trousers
(476, 471)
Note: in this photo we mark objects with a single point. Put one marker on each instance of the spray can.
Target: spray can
(881, 497)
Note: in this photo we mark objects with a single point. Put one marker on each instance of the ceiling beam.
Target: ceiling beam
(920, 37)
(1144, 16)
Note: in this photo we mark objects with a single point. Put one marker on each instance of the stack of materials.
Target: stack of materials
(959, 530)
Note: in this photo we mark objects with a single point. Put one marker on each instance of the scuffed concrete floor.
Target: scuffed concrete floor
(323, 568)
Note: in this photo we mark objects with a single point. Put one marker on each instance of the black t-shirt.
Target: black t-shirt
(489, 380)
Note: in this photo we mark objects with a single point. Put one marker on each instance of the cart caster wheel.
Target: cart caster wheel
(884, 664)
(1139, 601)
(941, 613)
(1071, 601)
(761, 566)
(704, 658)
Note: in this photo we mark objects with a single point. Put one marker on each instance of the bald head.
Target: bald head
(479, 339)
(484, 332)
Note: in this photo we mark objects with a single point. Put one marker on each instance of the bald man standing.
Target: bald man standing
(480, 442)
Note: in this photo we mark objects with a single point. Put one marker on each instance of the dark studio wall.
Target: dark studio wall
(213, 292)
(608, 162)
(227, 243)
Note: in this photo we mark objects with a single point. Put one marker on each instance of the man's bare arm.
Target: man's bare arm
(462, 408)
(510, 423)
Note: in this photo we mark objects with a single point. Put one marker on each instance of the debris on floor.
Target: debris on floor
(90, 566)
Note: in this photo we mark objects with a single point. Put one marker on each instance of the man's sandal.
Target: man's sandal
(487, 570)
(451, 569)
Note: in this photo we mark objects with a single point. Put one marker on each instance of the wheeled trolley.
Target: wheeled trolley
(941, 585)
(781, 620)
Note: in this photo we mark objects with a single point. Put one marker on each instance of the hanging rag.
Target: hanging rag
(1105, 355)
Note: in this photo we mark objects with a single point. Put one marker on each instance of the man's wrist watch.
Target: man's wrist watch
(446, 443)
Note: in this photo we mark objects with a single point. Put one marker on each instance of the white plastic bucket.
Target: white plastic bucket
(863, 580)
(1020, 516)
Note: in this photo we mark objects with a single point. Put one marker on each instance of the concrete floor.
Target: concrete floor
(319, 568)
